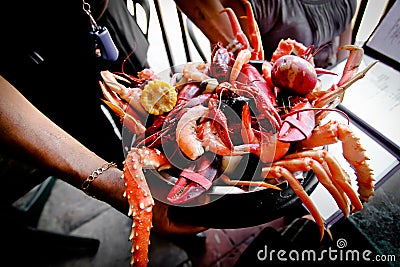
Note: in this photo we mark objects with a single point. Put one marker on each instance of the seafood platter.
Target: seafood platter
(239, 132)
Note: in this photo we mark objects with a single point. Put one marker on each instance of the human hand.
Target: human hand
(109, 187)
(162, 224)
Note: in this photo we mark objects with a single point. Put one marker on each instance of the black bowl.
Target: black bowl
(244, 209)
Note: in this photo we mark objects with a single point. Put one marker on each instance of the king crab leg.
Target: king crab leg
(353, 152)
(281, 172)
(332, 178)
(139, 198)
(348, 78)
(229, 181)
(307, 164)
(254, 33)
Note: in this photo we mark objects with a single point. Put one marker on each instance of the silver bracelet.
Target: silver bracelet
(233, 46)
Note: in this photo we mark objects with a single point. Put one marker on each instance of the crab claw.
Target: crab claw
(352, 63)
(298, 124)
(192, 184)
(221, 122)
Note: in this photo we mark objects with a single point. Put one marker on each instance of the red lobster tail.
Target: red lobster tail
(140, 207)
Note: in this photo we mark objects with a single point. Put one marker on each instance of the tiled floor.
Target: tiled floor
(68, 211)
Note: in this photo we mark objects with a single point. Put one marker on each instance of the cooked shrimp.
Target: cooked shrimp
(195, 71)
(186, 134)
